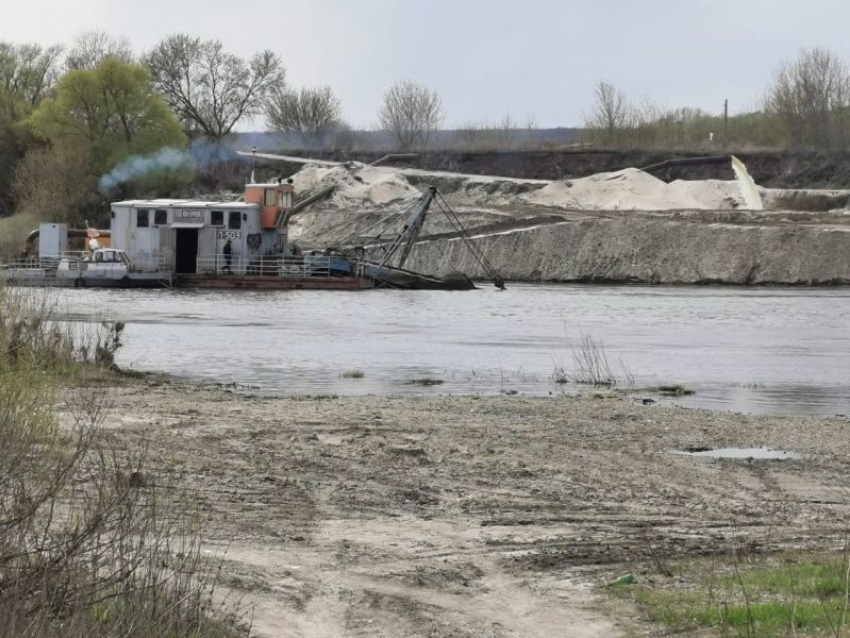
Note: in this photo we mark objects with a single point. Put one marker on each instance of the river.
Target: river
(758, 350)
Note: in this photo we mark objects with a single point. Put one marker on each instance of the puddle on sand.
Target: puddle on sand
(755, 453)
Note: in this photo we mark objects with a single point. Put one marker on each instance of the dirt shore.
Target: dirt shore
(472, 517)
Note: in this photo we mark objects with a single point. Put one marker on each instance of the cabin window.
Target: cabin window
(270, 193)
(160, 218)
(235, 221)
(142, 218)
(216, 218)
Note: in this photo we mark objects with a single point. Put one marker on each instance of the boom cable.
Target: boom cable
(460, 229)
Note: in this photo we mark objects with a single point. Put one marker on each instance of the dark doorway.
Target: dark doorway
(187, 251)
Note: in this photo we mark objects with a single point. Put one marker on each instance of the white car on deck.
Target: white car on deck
(102, 263)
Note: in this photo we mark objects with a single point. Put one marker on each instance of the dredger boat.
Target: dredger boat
(240, 244)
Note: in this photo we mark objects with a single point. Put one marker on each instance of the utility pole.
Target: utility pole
(726, 122)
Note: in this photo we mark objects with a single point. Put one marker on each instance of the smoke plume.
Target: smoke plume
(202, 154)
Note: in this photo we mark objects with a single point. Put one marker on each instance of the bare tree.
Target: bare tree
(28, 71)
(411, 114)
(611, 112)
(313, 114)
(209, 88)
(91, 47)
(811, 97)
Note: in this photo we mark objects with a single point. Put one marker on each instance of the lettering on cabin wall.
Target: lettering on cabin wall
(194, 216)
(230, 234)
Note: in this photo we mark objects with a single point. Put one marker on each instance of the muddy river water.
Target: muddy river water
(778, 350)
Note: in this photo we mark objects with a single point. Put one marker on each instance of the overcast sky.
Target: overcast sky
(486, 58)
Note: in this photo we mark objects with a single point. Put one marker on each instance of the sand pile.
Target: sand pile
(357, 184)
(633, 189)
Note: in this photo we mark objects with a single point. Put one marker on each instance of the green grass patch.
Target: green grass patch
(35, 334)
(426, 381)
(353, 374)
(802, 595)
(677, 390)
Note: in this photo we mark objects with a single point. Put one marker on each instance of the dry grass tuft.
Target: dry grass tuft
(89, 544)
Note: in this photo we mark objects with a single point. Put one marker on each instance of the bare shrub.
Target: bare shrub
(617, 122)
(87, 544)
(28, 338)
(33, 333)
(312, 114)
(90, 545)
(628, 376)
(811, 97)
(591, 362)
(411, 113)
(590, 365)
(506, 134)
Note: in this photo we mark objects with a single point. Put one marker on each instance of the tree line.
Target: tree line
(806, 107)
(70, 115)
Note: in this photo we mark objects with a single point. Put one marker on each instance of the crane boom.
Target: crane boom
(407, 237)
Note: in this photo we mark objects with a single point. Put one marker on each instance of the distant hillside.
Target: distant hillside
(770, 169)
(487, 139)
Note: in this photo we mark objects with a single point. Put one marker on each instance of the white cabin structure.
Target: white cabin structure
(191, 237)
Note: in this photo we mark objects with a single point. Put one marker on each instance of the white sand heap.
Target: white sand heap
(357, 184)
(629, 189)
(633, 189)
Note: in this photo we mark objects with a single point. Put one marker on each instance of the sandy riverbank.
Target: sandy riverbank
(626, 226)
(464, 516)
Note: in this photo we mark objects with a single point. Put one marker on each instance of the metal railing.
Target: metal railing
(26, 264)
(151, 264)
(78, 261)
(301, 267)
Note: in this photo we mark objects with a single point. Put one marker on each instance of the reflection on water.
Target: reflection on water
(753, 350)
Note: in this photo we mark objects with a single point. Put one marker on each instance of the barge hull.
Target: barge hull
(260, 282)
(62, 282)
